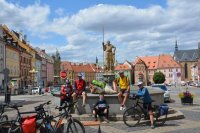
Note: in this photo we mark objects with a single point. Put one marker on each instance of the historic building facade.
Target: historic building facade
(145, 67)
(189, 63)
(2, 58)
(50, 70)
(127, 67)
(38, 69)
(13, 62)
(25, 68)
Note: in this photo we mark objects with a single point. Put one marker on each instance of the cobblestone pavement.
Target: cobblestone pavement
(191, 123)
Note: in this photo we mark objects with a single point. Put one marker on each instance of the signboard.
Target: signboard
(63, 74)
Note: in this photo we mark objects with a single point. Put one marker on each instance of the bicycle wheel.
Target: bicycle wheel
(75, 126)
(159, 119)
(3, 118)
(9, 127)
(131, 117)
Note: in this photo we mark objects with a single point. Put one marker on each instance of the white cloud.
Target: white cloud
(134, 31)
(59, 11)
(31, 17)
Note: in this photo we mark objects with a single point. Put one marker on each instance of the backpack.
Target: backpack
(98, 83)
(163, 109)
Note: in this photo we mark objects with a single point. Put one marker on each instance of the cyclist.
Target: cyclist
(66, 93)
(144, 93)
(101, 108)
(124, 85)
(79, 89)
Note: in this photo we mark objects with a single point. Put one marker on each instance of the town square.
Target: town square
(99, 66)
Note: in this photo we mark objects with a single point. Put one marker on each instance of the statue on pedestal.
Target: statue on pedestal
(109, 56)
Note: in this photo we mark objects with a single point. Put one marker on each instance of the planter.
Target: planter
(187, 100)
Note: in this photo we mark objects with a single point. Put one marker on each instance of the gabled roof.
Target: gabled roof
(167, 61)
(150, 61)
(65, 65)
(158, 62)
(82, 67)
(122, 67)
(96, 68)
(186, 55)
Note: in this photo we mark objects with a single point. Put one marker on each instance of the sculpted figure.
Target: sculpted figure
(109, 50)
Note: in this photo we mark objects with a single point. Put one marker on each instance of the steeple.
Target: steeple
(176, 46)
(96, 60)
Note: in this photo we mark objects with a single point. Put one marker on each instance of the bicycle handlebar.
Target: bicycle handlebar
(65, 105)
(41, 106)
(15, 106)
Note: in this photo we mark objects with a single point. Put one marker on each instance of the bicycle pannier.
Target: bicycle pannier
(163, 109)
(29, 124)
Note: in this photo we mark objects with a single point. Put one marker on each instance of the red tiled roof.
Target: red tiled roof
(96, 68)
(150, 61)
(66, 65)
(122, 67)
(161, 61)
(167, 61)
(80, 67)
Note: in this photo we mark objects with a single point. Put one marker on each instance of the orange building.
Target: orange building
(145, 67)
(73, 69)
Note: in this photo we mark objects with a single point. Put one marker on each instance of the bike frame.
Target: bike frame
(143, 110)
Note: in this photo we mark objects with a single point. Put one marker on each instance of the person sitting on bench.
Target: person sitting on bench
(101, 108)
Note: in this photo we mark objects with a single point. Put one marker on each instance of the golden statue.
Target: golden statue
(109, 56)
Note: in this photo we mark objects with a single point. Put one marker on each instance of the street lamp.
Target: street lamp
(33, 72)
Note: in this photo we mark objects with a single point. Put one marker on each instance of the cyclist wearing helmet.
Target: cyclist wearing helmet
(66, 92)
(79, 89)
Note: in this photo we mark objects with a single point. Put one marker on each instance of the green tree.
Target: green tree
(158, 78)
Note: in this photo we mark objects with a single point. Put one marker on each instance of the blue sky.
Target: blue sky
(135, 27)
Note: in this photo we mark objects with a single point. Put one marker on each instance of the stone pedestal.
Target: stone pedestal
(112, 100)
(109, 78)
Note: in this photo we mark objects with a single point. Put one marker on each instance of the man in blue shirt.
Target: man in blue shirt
(144, 93)
(101, 108)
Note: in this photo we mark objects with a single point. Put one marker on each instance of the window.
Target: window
(186, 72)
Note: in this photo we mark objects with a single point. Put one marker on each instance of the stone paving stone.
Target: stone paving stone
(196, 109)
(191, 115)
(190, 130)
(93, 130)
(122, 126)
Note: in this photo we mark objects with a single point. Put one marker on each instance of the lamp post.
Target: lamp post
(33, 72)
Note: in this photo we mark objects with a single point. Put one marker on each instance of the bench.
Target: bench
(92, 123)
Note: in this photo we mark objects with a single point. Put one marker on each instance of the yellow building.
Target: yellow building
(21, 41)
(12, 63)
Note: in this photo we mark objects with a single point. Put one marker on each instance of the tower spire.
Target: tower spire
(176, 46)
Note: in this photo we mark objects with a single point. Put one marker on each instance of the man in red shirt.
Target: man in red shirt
(66, 93)
(79, 89)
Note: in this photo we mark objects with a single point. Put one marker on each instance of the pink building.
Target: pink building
(145, 67)
(50, 70)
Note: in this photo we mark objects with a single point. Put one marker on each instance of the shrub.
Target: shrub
(158, 78)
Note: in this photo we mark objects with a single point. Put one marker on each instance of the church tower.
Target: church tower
(176, 46)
